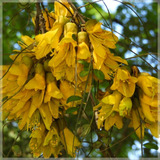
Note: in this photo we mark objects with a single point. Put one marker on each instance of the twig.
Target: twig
(40, 21)
(47, 14)
(88, 4)
(14, 143)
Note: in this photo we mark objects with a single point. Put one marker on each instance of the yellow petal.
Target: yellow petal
(54, 108)
(147, 112)
(46, 115)
(37, 82)
(138, 127)
(69, 141)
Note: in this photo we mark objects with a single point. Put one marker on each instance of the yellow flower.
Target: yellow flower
(51, 143)
(50, 39)
(38, 81)
(114, 118)
(83, 49)
(124, 82)
(52, 90)
(136, 117)
(68, 139)
(148, 96)
(109, 108)
(36, 142)
(142, 117)
(46, 115)
(65, 53)
(16, 77)
(125, 106)
(149, 106)
(148, 84)
(101, 40)
(62, 9)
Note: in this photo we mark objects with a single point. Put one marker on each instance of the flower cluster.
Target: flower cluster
(133, 97)
(62, 62)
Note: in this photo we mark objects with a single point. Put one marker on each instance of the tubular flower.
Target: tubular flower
(38, 81)
(148, 96)
(52, 143)
(62, 8)
(141, 120)
(148, 84)
(37, 139)
(65, 53)
(136, 117)
(124, 82)
(49, 40)
(68, 139)
(83, 49)
(109, 111)
(125, 106)
(101, 40)
(17, 76)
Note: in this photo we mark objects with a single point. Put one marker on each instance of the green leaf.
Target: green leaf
(103, 85)
(97, 144)
(99, 74)
(151, 146)
(86, 64)
(86, 128)
(71, 110)
(83, 73)
(74, 37)
(73, 98)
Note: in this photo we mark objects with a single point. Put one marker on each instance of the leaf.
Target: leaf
(86, 128)
(151, 146)
(103, 85)
(86, 64)
(83, 73)
(71, 110)
(73, 98)
(97, 144)
(74, 37)
(99, 74)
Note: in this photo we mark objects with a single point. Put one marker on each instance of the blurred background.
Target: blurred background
(135, 25)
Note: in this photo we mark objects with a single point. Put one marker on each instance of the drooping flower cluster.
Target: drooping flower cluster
(64, 62)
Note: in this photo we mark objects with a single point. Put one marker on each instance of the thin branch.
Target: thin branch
(88, 4)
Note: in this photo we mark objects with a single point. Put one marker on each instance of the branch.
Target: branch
(40, 21)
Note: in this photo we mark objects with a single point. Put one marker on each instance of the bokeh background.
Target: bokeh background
(135, 25)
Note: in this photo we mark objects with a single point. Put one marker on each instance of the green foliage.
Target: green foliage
(73, 98)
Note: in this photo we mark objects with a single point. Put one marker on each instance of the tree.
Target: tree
(80, 103)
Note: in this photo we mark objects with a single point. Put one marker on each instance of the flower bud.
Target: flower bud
(50, 78)
(46, 67)
(83, 37)
(27, 61)
(39, 69)
(70, 27)
(135, 71)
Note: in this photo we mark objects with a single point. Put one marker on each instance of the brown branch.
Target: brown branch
(77, 12)
(40, 21)
(47, 14)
